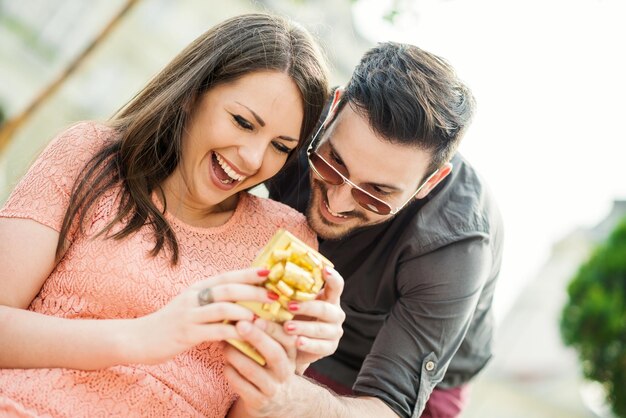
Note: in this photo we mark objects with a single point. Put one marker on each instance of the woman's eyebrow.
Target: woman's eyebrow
(258, 118)
(261, 122)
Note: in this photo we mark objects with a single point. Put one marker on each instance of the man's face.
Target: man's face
(391, 172)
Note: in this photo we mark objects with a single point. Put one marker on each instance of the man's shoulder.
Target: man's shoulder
(291, 185)
(461, 208)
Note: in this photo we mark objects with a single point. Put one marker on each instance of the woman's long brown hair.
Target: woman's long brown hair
(148, 130)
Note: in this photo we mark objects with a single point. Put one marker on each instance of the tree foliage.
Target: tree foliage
(593, 320)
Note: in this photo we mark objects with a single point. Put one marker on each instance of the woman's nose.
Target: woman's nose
(252, 156)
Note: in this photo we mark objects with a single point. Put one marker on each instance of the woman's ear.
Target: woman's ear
(434, 180)
(334, 105)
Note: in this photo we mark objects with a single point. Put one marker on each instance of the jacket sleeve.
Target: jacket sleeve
(438, 294)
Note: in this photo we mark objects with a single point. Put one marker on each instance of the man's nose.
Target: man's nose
(340, 198)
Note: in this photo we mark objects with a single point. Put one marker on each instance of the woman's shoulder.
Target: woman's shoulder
(278, 215)
(84, 135)
(274, 210)
(76, 144)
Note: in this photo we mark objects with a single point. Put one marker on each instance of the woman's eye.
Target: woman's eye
(243, 122)
(280, 147)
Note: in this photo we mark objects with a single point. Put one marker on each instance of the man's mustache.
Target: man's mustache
(324, 196)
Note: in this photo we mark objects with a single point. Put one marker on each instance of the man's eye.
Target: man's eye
(380, 191)
(243, 122)
(336, 158)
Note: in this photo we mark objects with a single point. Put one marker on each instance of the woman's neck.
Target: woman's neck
(176, 200)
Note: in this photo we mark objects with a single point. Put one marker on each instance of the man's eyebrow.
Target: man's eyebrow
(261, 122)
(380, 185)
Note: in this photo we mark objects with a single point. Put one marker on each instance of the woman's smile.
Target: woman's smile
(226, 175)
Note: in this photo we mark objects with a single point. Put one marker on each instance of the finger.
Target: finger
(321, 310)
(241, 386)
(274, 354)
(238, 292)
(333, 286)
(222, 311)
(277, 332)
(249, 276)
(214, 332)
(314, 329)
(316, 346)
(250, 370)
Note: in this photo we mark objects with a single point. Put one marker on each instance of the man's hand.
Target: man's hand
(318, 322)
(264, 391)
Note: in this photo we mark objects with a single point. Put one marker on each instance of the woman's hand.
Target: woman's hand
(197, 315)
(317, 325)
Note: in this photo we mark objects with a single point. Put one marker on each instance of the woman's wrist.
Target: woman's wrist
(129, 341)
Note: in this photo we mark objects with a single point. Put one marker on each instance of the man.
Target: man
(414, 232)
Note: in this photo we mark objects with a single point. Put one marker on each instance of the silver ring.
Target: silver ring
(205, 296)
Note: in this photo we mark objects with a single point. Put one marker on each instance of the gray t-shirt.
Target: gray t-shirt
(418, 292)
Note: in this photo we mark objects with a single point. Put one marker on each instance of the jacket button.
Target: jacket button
(430, 366)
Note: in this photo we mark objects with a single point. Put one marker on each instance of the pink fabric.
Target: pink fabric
(446, 403)
(443, 403)
(100, 278)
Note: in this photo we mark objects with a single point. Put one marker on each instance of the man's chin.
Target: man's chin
(326, 229)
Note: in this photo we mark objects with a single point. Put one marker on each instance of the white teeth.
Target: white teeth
(333, 213)
(228, 169)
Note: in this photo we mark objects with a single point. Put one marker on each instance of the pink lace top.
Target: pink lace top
(100, 278)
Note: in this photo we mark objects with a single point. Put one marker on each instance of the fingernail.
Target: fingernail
(254, 317)
(263, 272)
(290, 326)
(293, 306)
(272, 295)
(327, 270)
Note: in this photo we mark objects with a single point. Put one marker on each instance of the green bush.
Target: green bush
(593, 320)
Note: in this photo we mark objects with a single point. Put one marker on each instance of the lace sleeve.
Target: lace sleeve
(43, 193)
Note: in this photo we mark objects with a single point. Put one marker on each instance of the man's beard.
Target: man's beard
(324, 228)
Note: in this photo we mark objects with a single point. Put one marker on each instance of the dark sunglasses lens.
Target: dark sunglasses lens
(330, 175)
(370, 202)
(327, 172)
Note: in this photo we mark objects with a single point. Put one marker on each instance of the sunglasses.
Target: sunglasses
(330, 175)
(366, 200)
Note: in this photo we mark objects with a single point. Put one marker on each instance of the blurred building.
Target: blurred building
(38, 38)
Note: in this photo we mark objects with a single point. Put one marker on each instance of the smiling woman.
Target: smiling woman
(142, 228)
(239, 135)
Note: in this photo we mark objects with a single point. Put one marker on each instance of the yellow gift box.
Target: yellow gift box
(295, 274)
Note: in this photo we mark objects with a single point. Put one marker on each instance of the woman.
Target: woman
(125, 244)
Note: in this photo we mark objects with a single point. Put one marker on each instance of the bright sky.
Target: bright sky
(549, 78)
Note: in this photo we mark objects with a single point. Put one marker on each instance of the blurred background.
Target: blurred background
(548, 76)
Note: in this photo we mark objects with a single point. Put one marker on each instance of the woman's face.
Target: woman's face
(238, 135)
